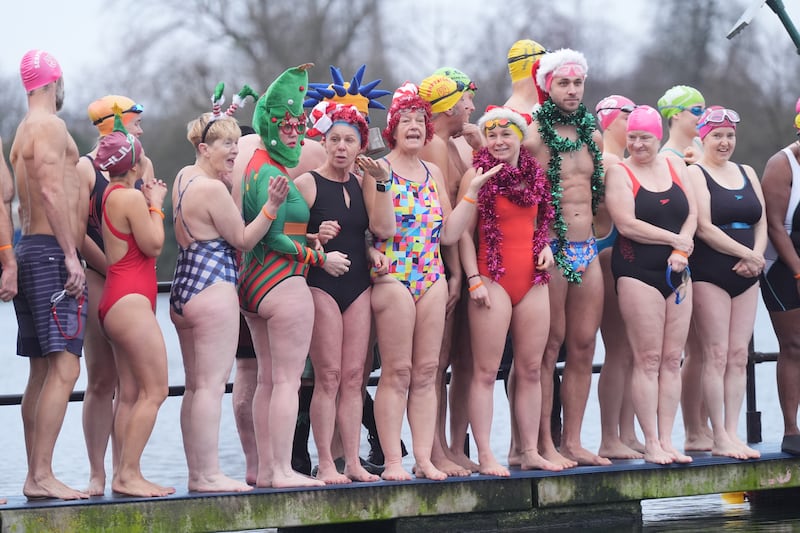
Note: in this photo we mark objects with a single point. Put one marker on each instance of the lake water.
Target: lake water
(163, 460)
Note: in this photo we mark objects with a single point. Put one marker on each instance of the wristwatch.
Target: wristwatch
(383, 186)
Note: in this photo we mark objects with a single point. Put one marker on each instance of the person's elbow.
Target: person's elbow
(383, 231)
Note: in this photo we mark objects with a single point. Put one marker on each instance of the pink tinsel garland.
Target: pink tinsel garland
(524, 185)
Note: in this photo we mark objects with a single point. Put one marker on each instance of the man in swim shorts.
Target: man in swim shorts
(52, 285)
(566, 142)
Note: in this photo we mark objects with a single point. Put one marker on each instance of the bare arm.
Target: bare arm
(380, 206)
(227, 219)
(776, 185)
(6, 181)
(48, 160)
(148, 230)
(465, 211)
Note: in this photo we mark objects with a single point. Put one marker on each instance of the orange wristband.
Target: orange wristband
(474, 287)
(5, 247)
(679, 252)
(468, 199)
(797, 276)
(157, 210)
(267, 214)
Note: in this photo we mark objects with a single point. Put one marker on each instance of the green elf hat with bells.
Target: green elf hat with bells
(282, 101)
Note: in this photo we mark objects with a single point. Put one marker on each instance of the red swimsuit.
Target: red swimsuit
(517, 225)
(135, 273)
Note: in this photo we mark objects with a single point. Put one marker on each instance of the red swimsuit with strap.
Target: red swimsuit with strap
(135, 273)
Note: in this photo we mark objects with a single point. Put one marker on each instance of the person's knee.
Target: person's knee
(423, 375)
(396, 378)
(484, 377)
(648, 362)
(327, 381)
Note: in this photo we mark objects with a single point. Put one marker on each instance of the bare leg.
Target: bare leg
(786, 328)
(101, 382)
(583, 312)
(57, 373)
(676, 327)
(244, 387)
(645, 305)
(698, 436)
(139, 347)
(488, 339)
(557, 289)
(428, 327)
(211, 320)
(288, 333)
(395, 315)
(460, 379)
(613, 385)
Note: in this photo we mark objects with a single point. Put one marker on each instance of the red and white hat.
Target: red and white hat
(563, 62)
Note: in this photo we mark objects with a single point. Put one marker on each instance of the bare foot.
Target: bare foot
(618, 450)
(217, 483)
(139, 487)
(677, 457)
(428, 471)
(514, 457)
(97, 486)
(633, 443)
(698, 443)
(655, 454)
(583, 456)
(395, 472)
(250, 478)
(357, 472)
(531, 460)
(553, 456)
(449, 467)
(462, 460)
(747, 450)
(489, 466)
(50, 488)
(330, 475)
(282, 480)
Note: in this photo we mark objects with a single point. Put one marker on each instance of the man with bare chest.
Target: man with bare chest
(566, 142)
(50, 305)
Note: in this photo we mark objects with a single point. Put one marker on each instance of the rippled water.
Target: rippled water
(164, 463)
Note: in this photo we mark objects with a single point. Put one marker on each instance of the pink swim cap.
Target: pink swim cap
(609, 108)
(645, 118)
(37, 69)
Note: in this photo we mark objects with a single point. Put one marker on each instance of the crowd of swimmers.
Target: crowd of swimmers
(539, 224)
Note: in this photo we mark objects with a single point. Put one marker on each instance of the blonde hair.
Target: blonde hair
(222, 127)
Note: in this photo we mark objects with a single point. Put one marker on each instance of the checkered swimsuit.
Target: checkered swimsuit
(201, 264)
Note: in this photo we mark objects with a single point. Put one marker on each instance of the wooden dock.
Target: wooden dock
(578, 497)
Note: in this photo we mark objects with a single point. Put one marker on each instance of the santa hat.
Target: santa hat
(493, 112)
(563, 62)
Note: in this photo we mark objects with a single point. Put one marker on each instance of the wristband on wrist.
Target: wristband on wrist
(474, 287)
(5, 247)
(468, 199)
(157, 210)
(473, 276)
(797, 276)
(267, 213)
(681, 253)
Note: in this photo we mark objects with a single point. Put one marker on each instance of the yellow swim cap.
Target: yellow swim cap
(441, 92)
(521, 57)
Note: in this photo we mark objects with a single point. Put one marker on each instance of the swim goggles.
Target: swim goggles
(680, 290)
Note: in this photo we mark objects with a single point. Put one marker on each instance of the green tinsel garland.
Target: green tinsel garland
(547, 116)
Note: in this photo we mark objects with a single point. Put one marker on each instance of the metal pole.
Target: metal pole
(753, 416)
(778, 8)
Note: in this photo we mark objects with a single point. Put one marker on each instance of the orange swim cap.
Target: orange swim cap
(101, 112)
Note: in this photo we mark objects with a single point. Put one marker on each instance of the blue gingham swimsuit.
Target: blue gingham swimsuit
(201, 264)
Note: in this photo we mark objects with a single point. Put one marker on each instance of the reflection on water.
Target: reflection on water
(163, 460)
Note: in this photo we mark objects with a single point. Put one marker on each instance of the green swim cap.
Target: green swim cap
(457, 76)
(680, 96)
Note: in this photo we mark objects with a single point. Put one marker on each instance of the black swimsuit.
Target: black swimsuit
(734, 212)
(648, 262)
(330, 205)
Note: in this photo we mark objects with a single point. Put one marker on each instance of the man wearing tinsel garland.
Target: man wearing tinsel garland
(566, 142)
